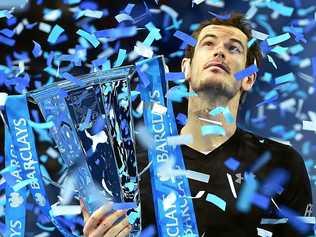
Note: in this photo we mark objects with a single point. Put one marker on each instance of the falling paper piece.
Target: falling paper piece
(264, 233)
(37, 51)
(54, 34)
(187, 39)
(246, 194)
(220, 17)
(232, 164)
(212, 130)
(198, 176)
(180, 140)
(278, 39)
(46, 125)
(246, 72)
(217, 201)
(231, 185)
(89, 37)
(280, 8)
(120, 58)
(285, 78)
(67, 210)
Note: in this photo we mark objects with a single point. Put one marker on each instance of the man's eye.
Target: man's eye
(234, 49)
(208, 43)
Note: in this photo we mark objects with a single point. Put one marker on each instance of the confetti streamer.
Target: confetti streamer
(37, 50)
(221, 17)
(143, 50)
(280, 8)
(246, 194)
(182, 119)
(264, 233)
(179, 140)
(278, 39)
(187, 39)
(259, 35)
(309, 126)
(174, 76)
(232, 164)
(54, 34)
(198, 176)
(7, 41)
(279, 50)
(123, 17)
(66, 210)
(198, 195)
(7, 32)
(90, 13)
(225, 111)
(120, 58)
(89, 37)
(285, 78)
(270, 59)
(154, 34)
(261, 201)
(293, 220)
(260, 162)
(217, 201)
(246, 72)
(116, 33)
(231, 185)
(212, 130)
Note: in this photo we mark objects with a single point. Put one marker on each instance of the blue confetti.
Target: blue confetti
(278, 39)
(89, 37)
(7, 32)
(285, 78)
(280, 8)
(116, 33)
(232, 164)
(187, 39)
(154, 34)
(293, 219)
(54, 34)
(217, 201)
(46, 125)
(246, 194)
(246, 72)
(37, 50)
(220, 17)
(120, 58)
(182, 119)
(212, 130)
(174, 76)
(7, 41)
(261, 201)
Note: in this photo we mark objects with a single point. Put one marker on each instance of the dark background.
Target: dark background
(277, 123)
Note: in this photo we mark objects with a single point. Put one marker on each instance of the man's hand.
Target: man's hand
(103, 222)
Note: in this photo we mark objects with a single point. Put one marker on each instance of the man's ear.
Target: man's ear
(186, 68)
(247, 83)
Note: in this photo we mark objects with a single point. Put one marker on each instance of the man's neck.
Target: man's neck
(198, 116)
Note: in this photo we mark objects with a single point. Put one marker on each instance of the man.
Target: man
(209, 67)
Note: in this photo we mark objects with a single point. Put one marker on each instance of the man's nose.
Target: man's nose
(219, 54)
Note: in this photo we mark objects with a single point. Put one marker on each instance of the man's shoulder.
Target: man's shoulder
(279, 148)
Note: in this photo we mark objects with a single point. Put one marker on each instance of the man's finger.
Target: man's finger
(108, 222)
(96, 217)
(117, 228)
(125, 232)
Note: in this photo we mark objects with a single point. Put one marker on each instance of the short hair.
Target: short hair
(236, 20)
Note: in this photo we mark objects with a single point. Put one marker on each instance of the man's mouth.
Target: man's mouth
(222, 66)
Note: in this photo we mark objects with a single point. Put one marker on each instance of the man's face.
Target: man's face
(220, 52)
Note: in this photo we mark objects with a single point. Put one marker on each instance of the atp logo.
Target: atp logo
(15, 199)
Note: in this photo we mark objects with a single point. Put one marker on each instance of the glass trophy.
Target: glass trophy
(93, 130)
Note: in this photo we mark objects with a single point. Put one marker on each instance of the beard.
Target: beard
(221, 87)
